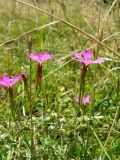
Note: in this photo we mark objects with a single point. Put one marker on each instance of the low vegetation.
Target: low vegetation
(67, 108)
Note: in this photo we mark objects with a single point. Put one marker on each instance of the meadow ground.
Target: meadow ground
(49, 123)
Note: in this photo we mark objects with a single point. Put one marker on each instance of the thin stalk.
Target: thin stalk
(39, 76)
(118, 88)
(96, 54)
(12, 108)
(30, 98)
(105, 144)
(87, 142)
(82, 85)
(101, 145)
(98, 30)
(81, 92)
(71, 25)
(28, 33)
(11, 95)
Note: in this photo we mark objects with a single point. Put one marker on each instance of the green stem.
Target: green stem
(82, 85)
(39, 76)
(11, 95)
(12, 108)
(81, 92)
(30, 100)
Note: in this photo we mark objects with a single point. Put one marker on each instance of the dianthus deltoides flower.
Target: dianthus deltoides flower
(7, 82)
(85, 100)
(86, 58)
(40, 58)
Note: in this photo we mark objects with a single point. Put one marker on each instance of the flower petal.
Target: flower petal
(86, 100)
(34, 57)
(78, 57)
(76, 99)
(6, 78)
(3, 83)
(87, 54)
(15, 79)
(100, 60)
(44, 56)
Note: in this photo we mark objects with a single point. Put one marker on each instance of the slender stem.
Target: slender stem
(39, 76)
(109, 134)
(82, 84)
(103, 148)
(30, 100)
(11, 95)
(12, 108)
(69, 24)
(28, 33)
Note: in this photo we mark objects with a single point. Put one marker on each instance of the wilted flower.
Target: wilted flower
(41, 58)
(85, 100)
(86, 58)
(8, 83)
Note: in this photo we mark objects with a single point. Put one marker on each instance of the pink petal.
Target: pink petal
(77, 57)
(100, 60)
(44, 56)
(76, 99)
(87, 54)
(3, 83)
(87, 62)
(15, 79)
(86, 100)
(6, 78)
(34, 57)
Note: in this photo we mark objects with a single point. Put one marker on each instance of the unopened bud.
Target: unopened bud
(23, 75)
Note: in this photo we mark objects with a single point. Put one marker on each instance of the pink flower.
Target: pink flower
(86, 58)
(76, 99)
(85, 100)
(42, 57)
(7, 82)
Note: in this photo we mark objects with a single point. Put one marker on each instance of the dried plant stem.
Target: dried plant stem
(71, 25)
(28, 33)
(106, 16)
(106, 75)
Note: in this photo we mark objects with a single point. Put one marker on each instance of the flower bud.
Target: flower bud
(23, 75)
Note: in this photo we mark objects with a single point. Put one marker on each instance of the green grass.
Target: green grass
(52, 129)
